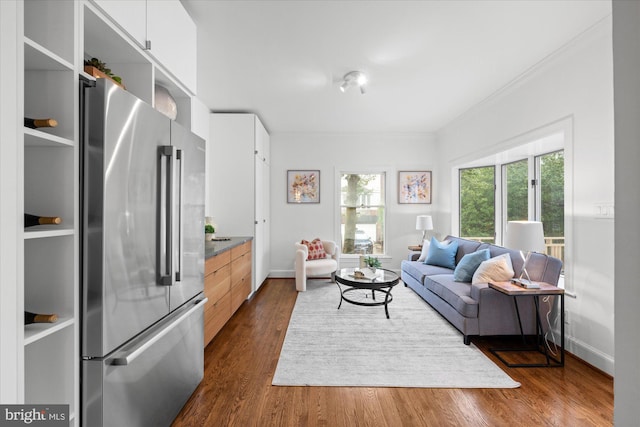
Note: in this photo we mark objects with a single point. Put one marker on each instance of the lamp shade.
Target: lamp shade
(526, 236)
(424, 222)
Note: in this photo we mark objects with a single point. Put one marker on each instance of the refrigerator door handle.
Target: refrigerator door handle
(166, 215)
(135, 349)
(179, 243)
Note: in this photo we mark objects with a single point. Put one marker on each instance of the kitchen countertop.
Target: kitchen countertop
(213, 248)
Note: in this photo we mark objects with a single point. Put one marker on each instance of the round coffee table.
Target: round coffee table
(381, 281)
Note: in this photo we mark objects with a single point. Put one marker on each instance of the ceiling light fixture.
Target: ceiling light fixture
(354, 78)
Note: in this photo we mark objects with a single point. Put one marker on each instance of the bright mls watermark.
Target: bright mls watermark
(34, 415)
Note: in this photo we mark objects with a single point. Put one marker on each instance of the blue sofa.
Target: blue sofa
(478, 309)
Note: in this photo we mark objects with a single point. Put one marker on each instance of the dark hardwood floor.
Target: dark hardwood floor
(241, 360)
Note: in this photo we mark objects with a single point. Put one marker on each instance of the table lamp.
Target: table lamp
(525, 236)
(424, 223)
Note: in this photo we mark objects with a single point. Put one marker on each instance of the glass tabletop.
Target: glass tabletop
(369, 275)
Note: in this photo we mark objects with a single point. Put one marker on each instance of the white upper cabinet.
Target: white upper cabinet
(173, 38)
(130, 15)
(164, 29)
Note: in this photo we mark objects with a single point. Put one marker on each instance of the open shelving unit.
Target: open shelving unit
(51, 374)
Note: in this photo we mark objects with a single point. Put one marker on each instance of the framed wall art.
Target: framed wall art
(414, 187)
(303, 186)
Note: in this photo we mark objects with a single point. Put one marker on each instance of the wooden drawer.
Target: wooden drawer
(241, 250)
(240, 267)
(240, 292)
(216, 262)
(215, 316)
(217, 283)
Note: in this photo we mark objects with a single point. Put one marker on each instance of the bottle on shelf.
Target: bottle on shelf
(30, 318)
(32, 220)
(40, 123)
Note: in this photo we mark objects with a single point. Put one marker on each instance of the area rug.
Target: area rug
(359, 346)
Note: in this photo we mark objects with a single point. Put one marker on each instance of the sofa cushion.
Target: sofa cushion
(442, 254)
(465, 246)
(318, 267)
(316, 249)
(456, 294)
(425, 251)
(497, 269)
(469, 264)
(419, 270)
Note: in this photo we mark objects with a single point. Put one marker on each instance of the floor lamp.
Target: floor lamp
(525, 236)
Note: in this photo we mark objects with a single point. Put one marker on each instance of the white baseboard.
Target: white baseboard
(588, 353)
(280, 274)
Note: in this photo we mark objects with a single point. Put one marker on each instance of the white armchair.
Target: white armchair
(317, 267)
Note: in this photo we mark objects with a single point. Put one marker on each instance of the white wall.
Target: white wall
(334, 152)
(626, 33)
(575, 84)
(11, 226)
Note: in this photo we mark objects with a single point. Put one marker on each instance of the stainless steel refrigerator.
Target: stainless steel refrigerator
(142, 273)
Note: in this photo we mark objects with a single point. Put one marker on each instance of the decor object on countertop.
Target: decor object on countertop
(414, 187)
(99, 70)
(209, 232)
(525, 236)
(303, 186)
(424, 223)
(314, 267)
(165, 103)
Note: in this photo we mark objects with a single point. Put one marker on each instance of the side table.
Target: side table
(516, 291)
(415, 248)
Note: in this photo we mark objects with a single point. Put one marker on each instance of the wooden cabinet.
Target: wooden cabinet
(245, 211)
(240, 274)
(227, 283)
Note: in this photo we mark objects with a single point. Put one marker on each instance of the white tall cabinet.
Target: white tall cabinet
(239, 175)
(43, 45)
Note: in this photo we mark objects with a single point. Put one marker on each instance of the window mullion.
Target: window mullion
(535, 195)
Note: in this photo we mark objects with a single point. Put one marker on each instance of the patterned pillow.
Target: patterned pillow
(316, 249)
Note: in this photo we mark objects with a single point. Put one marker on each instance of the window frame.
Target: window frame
(496, 211)
(338, 206)
(550, 137)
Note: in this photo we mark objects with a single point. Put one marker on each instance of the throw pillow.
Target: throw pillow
(316, 249)
(425, 251)
(469, 264)
(496, 269)
(442, 254)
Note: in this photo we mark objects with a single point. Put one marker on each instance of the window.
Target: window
(362, 213)
(532, 189)
(477, 203)
(516, 190)
(550, 200)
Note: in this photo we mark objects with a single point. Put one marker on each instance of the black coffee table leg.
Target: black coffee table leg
(386, 303)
